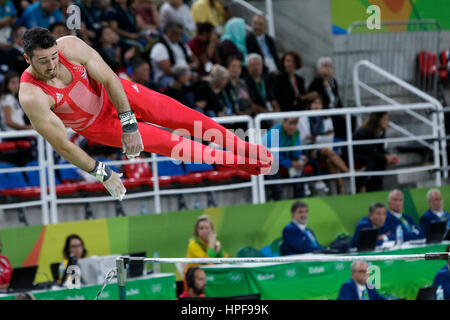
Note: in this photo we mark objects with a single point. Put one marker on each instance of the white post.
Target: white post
(43, 181)
(156, 183)
(351, 161)
(51, 184)
(270, 18)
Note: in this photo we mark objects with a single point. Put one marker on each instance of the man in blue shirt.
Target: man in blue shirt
(291, 163)
(357, 288)
(395, 217)
(297, 237)
(435, 212)
(376, 219)
(42, 14)
(442, 278)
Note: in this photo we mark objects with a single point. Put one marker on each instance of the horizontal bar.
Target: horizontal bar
(287, 259)
(21, 205)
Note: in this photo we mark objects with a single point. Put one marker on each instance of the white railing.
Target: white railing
(46, 160)
(352, 174)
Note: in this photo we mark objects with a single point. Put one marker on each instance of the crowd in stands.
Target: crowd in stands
(200, 55)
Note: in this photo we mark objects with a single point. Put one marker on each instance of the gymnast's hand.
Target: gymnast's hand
(115, 186)
(132, 144)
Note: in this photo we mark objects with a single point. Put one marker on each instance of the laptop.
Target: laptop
(427, 293)
(367, 240)
(22, 279)
(136, 270)
(436, 231)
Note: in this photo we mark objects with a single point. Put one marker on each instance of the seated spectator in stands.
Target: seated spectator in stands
(177, 11)
(373, 157)
(91, 16)
(8, 17)
(376, 219)
(59, 29)
(211, 11)
(141, 73)
(297, 237)
(5, 269)
(259, 86)
(442, 278)
(13, 56)
(435, 211)
(42, 14)
(180, 89)
(168, 53)
(205, 243)
(236, 88)
(357, 288)
(204, 47)
(291, 163)
(109, 48)
(395, 217)
(236, 33)
(11, 113)
(227, 49)
(289, 88)
(196, 283)
(258, 41)
(209, 94)
(73, 250)
(327, 87)
(146, 15)
(319, 129)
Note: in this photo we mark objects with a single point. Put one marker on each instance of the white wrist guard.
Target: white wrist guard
(101, 171)
(128, 121)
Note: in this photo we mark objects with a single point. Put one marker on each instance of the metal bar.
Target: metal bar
(26, 205)
(156, 184)
(43, 181)
(51, 182)
(122, 277)
(320, 258)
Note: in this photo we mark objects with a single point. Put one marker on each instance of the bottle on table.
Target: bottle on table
(440, 293)
(156, 265)
(399, 235)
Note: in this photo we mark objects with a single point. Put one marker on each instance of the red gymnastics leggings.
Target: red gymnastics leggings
(161, 110)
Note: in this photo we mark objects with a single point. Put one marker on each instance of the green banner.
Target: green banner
(319, 280)
(156, 287)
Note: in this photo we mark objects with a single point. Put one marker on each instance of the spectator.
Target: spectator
(435, 211)
(196, 283)
(8, 16)
(91, 16)
(146, 15)
(176, 11)
(42, 14)
(357, 288)
(5, 269)
(396, 217)
(73, 250)
(327, 87)
(376, 219)
(141, 73)
(297, 237)
(168, 53)
(236, 88)
(259, 86)
(319, 129)
(290, 163)
(25, 296)
(180, 89)
(205, 243)
(109, 47)
(236, 33)
(289, 89)
(227, 49)
(204, 46)
(13, 57)
(12, 115)
(209, 94)
(59, 29)
(373, 157)
(442, 278)
(258, 41)
(211, 11)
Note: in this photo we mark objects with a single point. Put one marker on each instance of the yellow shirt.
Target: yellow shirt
(202, 12)
(199, 249)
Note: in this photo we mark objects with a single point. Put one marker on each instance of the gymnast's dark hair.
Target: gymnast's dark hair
(37, 38)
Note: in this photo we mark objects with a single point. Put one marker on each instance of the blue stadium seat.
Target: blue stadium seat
(33, 176)
(198, 167)
(168, 168)
(70, 174)
(11, 180)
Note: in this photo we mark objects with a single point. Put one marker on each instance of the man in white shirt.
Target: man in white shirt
(168, 53)
(435, 212)
(177, 11)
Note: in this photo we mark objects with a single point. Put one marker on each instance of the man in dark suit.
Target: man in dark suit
(435, 212)
(261, 43)
(395, 217)
(297, 237)
(357, 287)
(376, 219)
